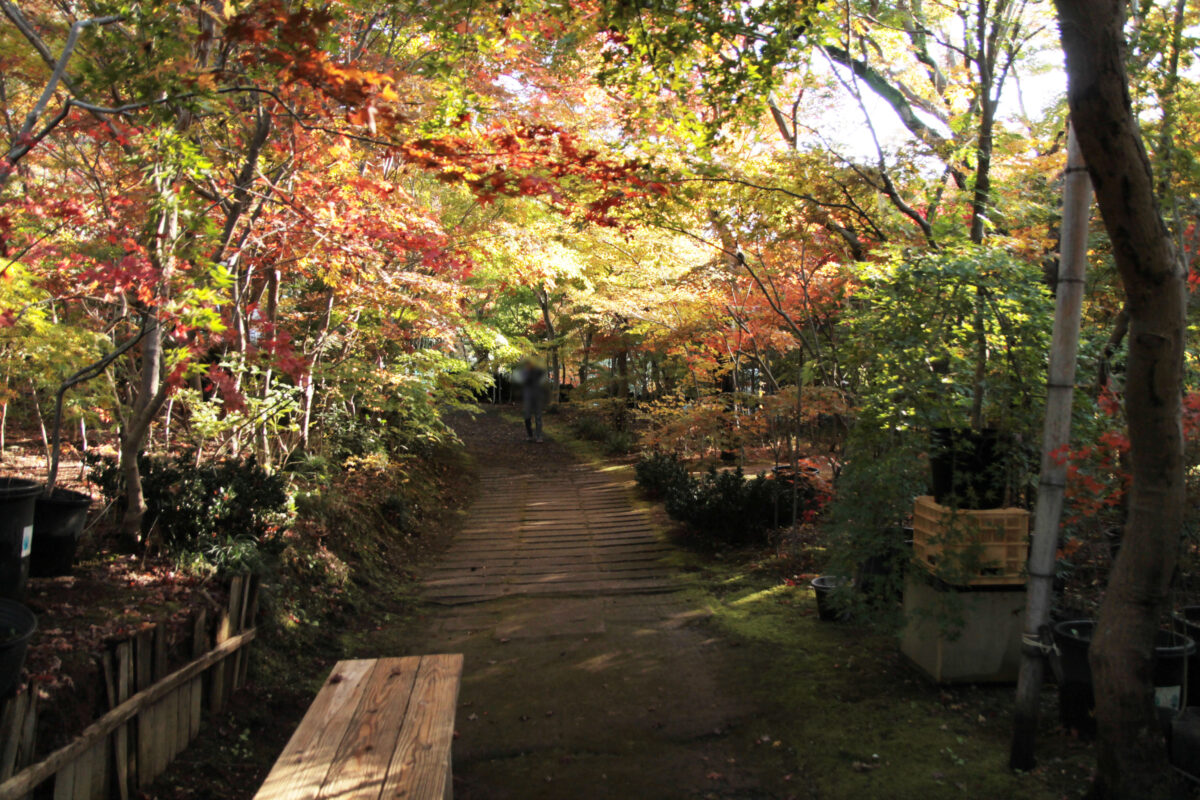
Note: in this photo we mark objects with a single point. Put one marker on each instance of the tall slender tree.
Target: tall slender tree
(1132, 761)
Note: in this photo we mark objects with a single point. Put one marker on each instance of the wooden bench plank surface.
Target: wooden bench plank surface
(361, 763)
(379, 728)
(302, 767)
(420, 768)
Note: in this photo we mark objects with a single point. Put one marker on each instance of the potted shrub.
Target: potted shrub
(58, 519)
(1172, 651)
(60, 514)
(823, 586)
(867, 534)
(17, 624)
(951, 346)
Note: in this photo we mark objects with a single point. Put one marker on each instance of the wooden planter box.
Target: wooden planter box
(963, 635)
(971, 548)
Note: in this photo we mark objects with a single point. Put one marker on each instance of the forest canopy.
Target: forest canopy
(299, 233)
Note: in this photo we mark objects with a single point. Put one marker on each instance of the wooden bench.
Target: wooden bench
(379, 728)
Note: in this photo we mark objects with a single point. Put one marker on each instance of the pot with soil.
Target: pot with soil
(967, 467)
(17, 499)
(17, 624)
(823, 586)
(58, 521)
(1172, 651)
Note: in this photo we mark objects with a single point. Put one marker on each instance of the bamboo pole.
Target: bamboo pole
(1056, 432)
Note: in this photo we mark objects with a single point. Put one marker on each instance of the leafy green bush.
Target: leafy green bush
(219, 511)
(619, 443)
(658, 472)
(728, 509)
(592, 428)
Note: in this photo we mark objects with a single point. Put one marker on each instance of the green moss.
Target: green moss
(858, 722)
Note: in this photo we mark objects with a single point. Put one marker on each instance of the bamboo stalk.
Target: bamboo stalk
(1056, 434)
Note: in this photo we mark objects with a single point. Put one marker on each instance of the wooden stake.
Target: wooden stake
(1056, 434)
(124, 685)
(31, 777)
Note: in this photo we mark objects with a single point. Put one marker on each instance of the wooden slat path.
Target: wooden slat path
(378, 728)
(554, 532)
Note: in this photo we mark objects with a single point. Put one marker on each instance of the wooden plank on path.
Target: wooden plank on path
(420, 767)
(301, 769)
(360, 766)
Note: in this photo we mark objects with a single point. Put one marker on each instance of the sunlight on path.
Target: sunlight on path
(550, 528)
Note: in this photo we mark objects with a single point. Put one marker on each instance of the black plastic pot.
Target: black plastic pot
(967, 467)
(1172, 652)
(1075, 698)
(822, 587)
(17, 624)
(1188, 618)
(58, 521)
(17, 497)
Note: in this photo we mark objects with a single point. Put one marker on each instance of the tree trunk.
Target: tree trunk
(135, 431)
(544, 301)
(152, 389)
(1131, 757)
(621, 370)
(262, 427)
(585, 364)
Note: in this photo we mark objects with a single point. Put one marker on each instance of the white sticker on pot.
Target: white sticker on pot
(26, 540)
(1168, 697)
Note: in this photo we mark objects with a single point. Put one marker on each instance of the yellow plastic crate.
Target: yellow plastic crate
(971, 548)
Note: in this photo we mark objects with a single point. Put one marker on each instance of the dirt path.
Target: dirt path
(586, 675)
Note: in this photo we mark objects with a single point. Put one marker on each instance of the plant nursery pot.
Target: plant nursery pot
(58, 521)
(17, 624)
(1188, 619)
(1172, 651)
(967, 467)
(17, 499)
(1075, 699)
(822, 587)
